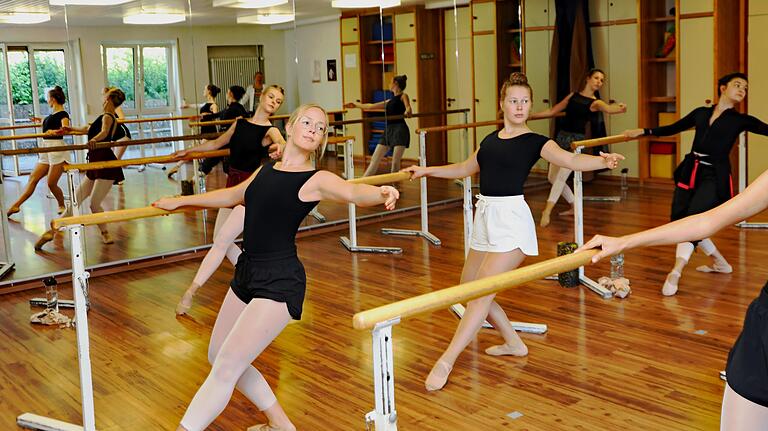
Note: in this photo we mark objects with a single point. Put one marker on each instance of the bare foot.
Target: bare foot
(506, 349)
(438, 377)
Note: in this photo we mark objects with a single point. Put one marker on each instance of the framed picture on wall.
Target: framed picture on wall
(331, 70)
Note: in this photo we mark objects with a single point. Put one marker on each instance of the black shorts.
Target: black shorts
(564, 139)
(278, 277)
(747, 369)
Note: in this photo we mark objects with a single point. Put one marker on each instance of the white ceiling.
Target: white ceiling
(203, 13)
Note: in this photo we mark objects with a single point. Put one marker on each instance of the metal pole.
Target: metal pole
(384, 417)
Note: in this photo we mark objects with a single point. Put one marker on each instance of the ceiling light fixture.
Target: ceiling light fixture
(24, 17)
(87, 2)
(248, 4)
(154, 18)
(364, 3)
(266, 18)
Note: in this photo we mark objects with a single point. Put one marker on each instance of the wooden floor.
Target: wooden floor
(643, 363)
(145, 237)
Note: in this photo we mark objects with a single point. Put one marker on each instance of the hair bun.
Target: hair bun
(518, 78)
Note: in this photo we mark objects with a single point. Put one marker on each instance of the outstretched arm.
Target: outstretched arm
(222, 198)
(455, 170)
(552, 153)
(211, 145)
(610, 109)
(751, 201)
(549, 112)
(328, 186)
(377, 105)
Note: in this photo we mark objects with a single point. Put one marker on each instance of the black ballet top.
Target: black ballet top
(246, 152)
(95, 128)
(53, 122)
(205, 115)
(577, 114)
(506, 163)
(232, 111)
(273, 212)
(395, 106)
(714, 140)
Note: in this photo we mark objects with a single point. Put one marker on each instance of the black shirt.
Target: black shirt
(577, 114)
(246, 152)
(714, 140)
(205, 115)
(232, 111)
(395, 106)
(53, 122)
(506, 163)
(273, 211)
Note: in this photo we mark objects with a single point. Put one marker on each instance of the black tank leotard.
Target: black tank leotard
(269, 267)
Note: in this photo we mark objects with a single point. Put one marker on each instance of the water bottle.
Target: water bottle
(624, 184)
(51, 294)
(617, 266)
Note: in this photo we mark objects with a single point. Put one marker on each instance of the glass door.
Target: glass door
(146, 74)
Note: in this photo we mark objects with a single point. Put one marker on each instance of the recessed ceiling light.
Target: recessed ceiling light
(266, 18)
(24, 17)
(365, 3)
(248, 4)
(149, 18)
(87, 2)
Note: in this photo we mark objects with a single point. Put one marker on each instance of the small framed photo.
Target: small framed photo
(332, 75)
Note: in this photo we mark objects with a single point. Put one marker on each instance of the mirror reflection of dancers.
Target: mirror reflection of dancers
(703, 179)
(97, 183)
(397, 137)
(207, 110)
(504, 232)
(268, 287)
(251, 142)
(580, 110)
(49, 164)
(745, 400)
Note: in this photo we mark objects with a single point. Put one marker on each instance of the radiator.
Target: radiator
(226, 72)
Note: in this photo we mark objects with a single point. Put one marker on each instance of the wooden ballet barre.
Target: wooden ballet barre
(110, 144)
(474, 289)
(598, 142)
(144, 161)
(339, 139)
(478, 124)
(21, 126)
(38, 135)
(152, 120)
(272, 118)
(150, 211)
(396, 117)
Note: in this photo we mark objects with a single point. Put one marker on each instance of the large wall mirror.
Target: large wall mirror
(382, 73)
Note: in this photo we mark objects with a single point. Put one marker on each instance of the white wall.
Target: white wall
(321, 41)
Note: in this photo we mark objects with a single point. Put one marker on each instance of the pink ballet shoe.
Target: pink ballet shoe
(567, 212)
(723, 268)
(435, 381)
(44, 239)
(185, 304)
(670, 288)
(265, 427)
(12, 211)
(507, 350)
(106, 238)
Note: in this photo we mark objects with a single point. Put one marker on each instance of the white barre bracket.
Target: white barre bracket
(80, 288)
(424, 231)
(350, 243)
(384, 417)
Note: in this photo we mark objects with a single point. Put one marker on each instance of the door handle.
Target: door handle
(477, 100)
(544, 100)
(450, 99)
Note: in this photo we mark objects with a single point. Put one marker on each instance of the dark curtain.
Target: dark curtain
(571, 57)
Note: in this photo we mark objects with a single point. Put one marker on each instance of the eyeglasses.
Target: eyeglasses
(318, 127)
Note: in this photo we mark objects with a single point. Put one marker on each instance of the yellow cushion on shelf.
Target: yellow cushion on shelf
(662, 165)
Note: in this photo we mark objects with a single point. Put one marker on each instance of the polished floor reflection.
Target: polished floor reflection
(645, 362)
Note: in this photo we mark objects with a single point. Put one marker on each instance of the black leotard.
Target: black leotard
(53, 122)
(268, 267)
(506, 163)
